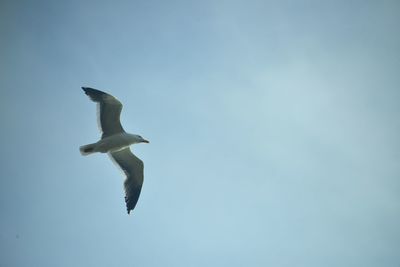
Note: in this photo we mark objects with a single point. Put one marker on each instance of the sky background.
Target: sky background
(273, 126)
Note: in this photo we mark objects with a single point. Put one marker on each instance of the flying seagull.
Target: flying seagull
(115, 141)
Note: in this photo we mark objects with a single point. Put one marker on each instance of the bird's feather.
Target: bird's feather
(109, 111)
(133, 169)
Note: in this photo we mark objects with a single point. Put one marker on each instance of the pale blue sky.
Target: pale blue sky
(274, 130)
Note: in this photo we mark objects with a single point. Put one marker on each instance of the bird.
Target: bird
(116, 143)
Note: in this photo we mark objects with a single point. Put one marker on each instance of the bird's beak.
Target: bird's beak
(145, 141)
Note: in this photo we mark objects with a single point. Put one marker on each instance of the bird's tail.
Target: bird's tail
(87, 149)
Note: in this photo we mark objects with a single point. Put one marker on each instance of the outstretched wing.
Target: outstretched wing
(133, 169)
(109, 111)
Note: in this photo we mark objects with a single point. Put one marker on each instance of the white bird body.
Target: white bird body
(115, 141)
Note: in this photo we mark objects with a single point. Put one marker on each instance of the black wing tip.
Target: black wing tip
(90, 90)
(94, 94)
(130, 205)
(129, 209)
(86, 89)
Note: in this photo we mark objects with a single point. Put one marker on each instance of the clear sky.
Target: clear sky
(273, 126)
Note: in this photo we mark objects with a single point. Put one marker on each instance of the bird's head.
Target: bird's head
(138, 139)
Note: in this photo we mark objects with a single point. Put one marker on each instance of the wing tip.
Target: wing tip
(86, 89)
(130, 206)
(90, 90)
(94, 94)
(129, 209)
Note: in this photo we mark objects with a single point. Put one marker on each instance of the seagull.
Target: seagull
(115, 141)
